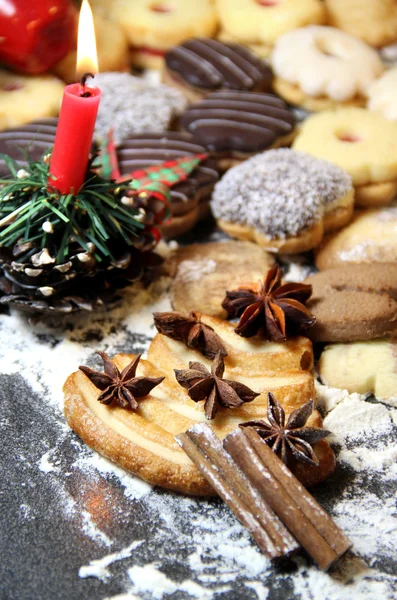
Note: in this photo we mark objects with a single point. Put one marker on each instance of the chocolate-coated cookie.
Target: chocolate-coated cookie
(236, 125)
(203, 65)
(27, 141)
(354, 302)
(143, 150)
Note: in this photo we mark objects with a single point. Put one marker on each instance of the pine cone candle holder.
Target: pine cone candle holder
(65, 253)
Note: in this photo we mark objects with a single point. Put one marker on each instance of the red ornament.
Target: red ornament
(36, 34)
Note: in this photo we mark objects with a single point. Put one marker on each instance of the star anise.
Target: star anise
(276, 310)
(291, 437)
(191, 331)
(211, 387)
(123, 388)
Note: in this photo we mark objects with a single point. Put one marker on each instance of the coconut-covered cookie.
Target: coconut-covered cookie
(283, 200)
(132, 105)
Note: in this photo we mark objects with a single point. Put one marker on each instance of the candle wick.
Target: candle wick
(84, 93)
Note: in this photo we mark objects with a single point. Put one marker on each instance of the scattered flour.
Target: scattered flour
(99, 568)
(91, 529)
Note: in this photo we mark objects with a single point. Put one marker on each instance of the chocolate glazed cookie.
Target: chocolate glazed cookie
(27, 141)
(202, 65)
(236, 125)
(190, 198)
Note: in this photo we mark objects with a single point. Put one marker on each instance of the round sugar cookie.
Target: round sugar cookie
(374, 21)
(24, 99)
(321, 67)
(263, 21)
(371, 237)
(283, 199)
(154, 26)
(382, 95)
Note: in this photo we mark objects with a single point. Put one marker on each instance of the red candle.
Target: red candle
(73, 138)
(77, 118)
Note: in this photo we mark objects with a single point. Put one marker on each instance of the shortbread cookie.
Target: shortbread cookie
(353, 302)
(187, 197)
(113, 51)
(374, 21)
(321, 67)
(138, 106)
(261, 22)
(203, 272)
(371, 237)
(362, 367)
(202, 65)
(382, 95)
(143, 442)
(235, 125)
(282, 200)
(27, 141)
(154, 26)
(24, 99)
(363, 143)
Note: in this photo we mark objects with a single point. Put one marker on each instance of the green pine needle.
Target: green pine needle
(94, 215)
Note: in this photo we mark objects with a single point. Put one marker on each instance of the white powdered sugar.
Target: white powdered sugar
(280, 192)
(132, 105)
(99, 568)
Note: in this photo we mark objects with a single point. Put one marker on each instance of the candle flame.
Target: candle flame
(87, 60)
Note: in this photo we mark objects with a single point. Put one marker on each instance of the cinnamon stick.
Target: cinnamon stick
(305, 519)
(207, 453)
(307, 504)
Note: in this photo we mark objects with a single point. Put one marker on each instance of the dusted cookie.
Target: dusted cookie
(363, 367)
(154, 26)
(113, 52)
(361, 142)
(32, 140)
(282, 200)
(24, 98)
(371, 237)
(353, 302)
(203, 272)
(138, 106)
(382, 95)
(236, 125)
(260, 22)
(202, 65)
(188, 198)
(321, 67)
(374, 21)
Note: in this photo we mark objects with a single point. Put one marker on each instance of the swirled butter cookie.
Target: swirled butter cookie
(283, 200)
(142, 440)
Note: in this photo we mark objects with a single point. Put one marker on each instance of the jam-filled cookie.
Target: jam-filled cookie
(24, 98)
(363, 143)
(371, 237)
(235, 125)
(113, 51)
(259, 23)
(154, 26)
(132, 105)
(321, 67)
(200, 66)
(283, 200)
(27, 141)
(189, 198)
(374, 21)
